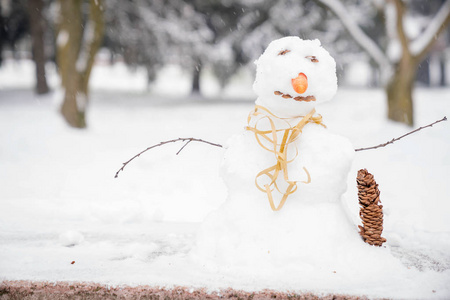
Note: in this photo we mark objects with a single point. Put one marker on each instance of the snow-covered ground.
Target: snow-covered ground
(60, 202)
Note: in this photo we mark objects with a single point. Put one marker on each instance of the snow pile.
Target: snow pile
(71, 238)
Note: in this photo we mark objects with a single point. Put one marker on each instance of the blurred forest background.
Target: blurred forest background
(402, 44)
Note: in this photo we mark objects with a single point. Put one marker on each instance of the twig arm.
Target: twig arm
(163, 143)
(189, 140)
(399, 138)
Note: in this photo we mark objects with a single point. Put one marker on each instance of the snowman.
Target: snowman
(285, 173)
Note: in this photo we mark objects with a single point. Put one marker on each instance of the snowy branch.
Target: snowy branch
(399, 138)
(91, 42)
(420, 46)
(187, 140)
(357, 33)
(401, 35)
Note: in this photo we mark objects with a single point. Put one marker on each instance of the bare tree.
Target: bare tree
(77, 45)
(398, 72)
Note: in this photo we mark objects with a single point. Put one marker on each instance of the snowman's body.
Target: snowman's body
(312, 225)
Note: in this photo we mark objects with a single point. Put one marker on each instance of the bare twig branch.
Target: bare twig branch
(396, 139)
(184, 146)
(163, 143)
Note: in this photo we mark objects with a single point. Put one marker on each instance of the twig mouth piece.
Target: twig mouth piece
(296, 98)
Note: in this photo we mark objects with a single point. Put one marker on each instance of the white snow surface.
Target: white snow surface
(60, 202)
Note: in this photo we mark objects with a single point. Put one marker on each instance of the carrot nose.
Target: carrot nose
(300, 83)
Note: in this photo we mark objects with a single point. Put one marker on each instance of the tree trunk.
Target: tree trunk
(423, 72)
(76, 56)
(196, 80)
(2, 35)
(37, 34)
(69, 45)
(399, 91)
(442, 66)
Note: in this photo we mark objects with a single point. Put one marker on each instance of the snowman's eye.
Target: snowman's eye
(313, 59)
(283, 52)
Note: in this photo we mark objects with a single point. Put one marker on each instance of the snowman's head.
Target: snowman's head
(293, 75)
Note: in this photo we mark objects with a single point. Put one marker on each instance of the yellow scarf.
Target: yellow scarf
(290, 135)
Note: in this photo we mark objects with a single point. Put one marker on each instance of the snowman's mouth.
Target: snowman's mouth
(297, 98)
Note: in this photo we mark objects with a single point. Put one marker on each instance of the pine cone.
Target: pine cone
(371, 211)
